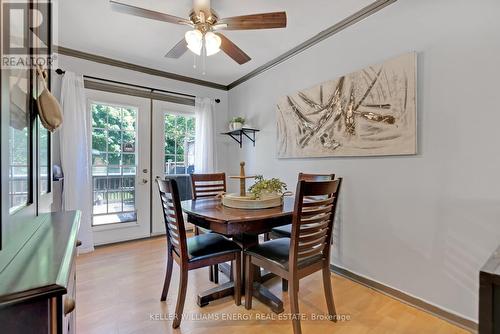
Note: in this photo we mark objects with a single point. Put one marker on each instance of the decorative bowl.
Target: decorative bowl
(248, 202)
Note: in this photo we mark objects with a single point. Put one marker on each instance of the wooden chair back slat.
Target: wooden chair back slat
(173, 218)
(173, 228)
(313, 178)
(310, 237)
(311, 228)
(208, 194)
(175, 244)
(314, 219)
(305, 246)
(304, 254)
(317, 202)
(314, 213)
(170, 215)
(308, 240)
(309, 212)
(208, 185)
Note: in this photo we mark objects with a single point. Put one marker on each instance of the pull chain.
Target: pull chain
(204, 59)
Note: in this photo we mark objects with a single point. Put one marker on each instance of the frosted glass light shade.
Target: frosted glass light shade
(194, 39)
(212, 43)
(201, 4)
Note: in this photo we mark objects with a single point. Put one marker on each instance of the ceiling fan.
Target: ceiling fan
(205, 23)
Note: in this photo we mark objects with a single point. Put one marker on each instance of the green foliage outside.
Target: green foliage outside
(18, 145)
(111, 123)
(43, 142)
(18, 167)
(178, 130)
(112, 128)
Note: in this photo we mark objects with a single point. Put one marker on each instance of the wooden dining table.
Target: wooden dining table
(244, 227)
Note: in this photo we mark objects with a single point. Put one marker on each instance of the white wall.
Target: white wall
(89, 68)
(423, 224)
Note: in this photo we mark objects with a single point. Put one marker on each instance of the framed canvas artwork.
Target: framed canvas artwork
(365, 113)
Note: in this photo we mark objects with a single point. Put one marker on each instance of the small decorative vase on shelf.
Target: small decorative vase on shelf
(233, 126)
(236, 123)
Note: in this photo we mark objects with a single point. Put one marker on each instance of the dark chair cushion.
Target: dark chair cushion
(282, 231)
(278, 252)
(210, 244)
(204, 230)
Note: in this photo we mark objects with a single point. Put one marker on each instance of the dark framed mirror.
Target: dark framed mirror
(25, 145)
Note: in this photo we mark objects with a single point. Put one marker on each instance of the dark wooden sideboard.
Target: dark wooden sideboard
(37, 287)
(489, 295)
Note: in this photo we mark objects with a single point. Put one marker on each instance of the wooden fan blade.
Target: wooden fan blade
(178, 50)
(255, 21)
(232, 50)
(146, 13)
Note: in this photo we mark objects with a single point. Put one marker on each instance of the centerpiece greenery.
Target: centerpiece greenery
(269, 186)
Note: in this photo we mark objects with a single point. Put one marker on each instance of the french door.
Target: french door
(173, 133)
(120, 166)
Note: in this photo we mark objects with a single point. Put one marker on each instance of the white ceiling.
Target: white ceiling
(91, 26)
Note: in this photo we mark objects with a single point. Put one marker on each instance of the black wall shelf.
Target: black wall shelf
(238, 135)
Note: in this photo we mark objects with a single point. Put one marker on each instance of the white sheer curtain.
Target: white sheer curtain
(75, 155)
(204, 150)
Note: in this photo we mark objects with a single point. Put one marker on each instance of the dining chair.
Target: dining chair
(308, 249)
(285, 231)
(192, 253)
(208, 186)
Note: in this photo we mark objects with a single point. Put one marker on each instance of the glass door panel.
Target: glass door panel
(120, 149)
(114, 163)
(173, 151)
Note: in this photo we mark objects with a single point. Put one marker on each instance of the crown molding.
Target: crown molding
(129, 66)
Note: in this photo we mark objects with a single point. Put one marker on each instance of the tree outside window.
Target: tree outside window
(179, 144)
(113, 163)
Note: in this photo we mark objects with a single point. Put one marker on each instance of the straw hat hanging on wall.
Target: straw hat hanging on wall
(48, 107)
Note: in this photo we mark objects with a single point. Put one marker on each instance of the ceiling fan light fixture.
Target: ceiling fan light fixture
(194, 40)
(204, 21)
(212, 43)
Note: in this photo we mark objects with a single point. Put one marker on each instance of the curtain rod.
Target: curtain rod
(60, 72)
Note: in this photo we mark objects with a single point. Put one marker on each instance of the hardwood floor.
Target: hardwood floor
(119, 288)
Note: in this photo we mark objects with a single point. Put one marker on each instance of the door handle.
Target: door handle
(144, 181)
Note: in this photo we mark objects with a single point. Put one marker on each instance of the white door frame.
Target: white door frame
(160, 108)
(142, 227)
